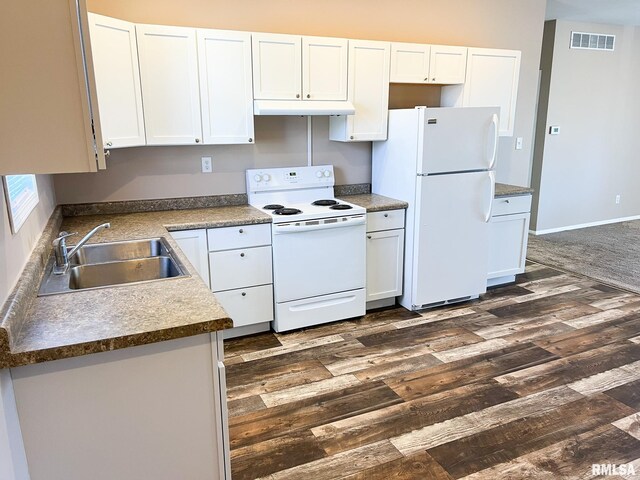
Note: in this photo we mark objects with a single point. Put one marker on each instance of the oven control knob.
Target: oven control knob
(266, 177)
(327, 173)
(258, 178)
(319, 174)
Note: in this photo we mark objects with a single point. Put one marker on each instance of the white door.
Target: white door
(324, 68)
(492, 80)
(277, 66)
(508, 235)
(448, 64)
(170, 91)
(458, 139)
(115, 63)
(226, 90)
(193, 244)
(368, 91)
(410, 63)
(451, 237)
(318, 259)
(385, 254)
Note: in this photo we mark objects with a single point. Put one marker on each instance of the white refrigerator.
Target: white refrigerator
(441, 162)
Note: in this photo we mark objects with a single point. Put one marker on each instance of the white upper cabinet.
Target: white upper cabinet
(448, 64)
(324, 68)
(277, 67)
(115, 62)
(368, 91)
(171, 95)
(289, 67)
(224, 61)
(420, 63)
(491, 80)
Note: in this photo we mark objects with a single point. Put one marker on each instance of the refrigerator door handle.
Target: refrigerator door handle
(492, 192)
(495, 130)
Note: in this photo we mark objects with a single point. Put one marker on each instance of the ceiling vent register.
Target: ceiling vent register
(592, 41)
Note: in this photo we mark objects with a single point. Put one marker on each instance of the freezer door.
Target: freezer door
(458, 139)
(451, 237)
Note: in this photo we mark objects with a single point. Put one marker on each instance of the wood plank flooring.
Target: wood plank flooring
(539, 379)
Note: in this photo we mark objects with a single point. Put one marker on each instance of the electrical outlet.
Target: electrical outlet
(554, 130)
(207, 165)
(519, 143)
(618, 199)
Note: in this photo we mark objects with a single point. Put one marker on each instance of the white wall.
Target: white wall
(150, 172)
(593, 97)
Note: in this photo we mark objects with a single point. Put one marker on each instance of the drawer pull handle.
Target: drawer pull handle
(241, 230)
(244, 294)
(242, 254)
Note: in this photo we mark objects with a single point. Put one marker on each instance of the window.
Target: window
(22, 197)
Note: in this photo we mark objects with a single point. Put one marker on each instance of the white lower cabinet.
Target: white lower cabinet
(385, 254)
(508, 235)
(193, 244)
(151, 411)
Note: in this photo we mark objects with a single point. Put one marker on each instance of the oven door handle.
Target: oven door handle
(301, 227)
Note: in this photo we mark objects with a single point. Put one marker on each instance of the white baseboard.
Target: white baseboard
(584, 225)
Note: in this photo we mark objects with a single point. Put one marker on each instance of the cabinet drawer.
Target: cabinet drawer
(388, 220)
(242, 236)
(248, 306)
(511, 205)
(240, 268)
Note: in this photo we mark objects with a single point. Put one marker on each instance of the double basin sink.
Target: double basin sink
(110, 264)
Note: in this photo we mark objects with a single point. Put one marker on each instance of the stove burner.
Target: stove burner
(341, 206)
(287, 211)
(273, 206)
(324, 203)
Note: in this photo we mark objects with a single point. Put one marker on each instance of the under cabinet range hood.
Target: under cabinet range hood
(302, 107)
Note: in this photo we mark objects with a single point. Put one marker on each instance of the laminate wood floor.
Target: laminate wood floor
(539, 379)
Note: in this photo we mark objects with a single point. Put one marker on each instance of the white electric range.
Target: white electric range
(318, 245)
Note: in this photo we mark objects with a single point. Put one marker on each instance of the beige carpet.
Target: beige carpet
(608, 253)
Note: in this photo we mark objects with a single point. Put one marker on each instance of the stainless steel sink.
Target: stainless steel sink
(115, 251)
(117, 273)
(111, 264)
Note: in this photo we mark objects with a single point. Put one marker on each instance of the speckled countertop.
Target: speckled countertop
(505, 190)
(37, 329)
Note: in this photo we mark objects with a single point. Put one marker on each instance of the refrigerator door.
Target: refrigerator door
(458, 139)
(451, 240)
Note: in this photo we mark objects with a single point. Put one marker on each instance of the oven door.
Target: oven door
(318, 257)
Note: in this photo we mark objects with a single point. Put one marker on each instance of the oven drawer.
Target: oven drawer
(511, 205)
(248, 306)
(242, 236)
(240, 268)
(387, 220)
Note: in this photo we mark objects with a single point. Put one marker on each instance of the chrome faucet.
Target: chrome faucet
(60, 248)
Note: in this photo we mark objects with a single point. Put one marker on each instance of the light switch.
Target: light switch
(519, 143)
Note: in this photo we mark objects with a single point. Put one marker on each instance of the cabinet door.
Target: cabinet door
(324, 68)
(410, 63)
(368, 91)
(193, 244)
(115, 61)
(169, 74)
(226, 91)
(508, 235)
(277, 69)
(448, 64)
(47, 89)
(492, 80)
(385, 251)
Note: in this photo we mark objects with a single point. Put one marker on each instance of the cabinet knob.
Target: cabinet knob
(426, 79)
(433, 79)
(351, 137)
(369, 237)
(241, 231)
(197, 140)
(244, 294)
(242, 254)
(109, 144)
(107, 153)
(308, 95)
(250, 140)
(297, 95)
(386, 215)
